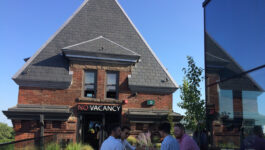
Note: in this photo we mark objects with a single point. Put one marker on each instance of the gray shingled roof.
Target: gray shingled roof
(48, 68)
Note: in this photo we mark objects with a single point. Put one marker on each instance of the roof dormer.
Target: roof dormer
(100, 50)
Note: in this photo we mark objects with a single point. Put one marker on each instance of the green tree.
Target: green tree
(191, 96)
(6, 133)
(171, 121)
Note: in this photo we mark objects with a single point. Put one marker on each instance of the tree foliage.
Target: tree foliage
(170, 119)
(191, 96)
(6, 133)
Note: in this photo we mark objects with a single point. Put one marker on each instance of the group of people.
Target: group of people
(117, 139)
(181, 141)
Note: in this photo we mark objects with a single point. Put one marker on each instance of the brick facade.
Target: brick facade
(70, 97)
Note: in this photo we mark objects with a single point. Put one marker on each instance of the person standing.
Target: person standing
(125, 133)
(112, 142)
(169, 142)
(185, 141)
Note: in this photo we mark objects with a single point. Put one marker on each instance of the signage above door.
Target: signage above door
(98, 108)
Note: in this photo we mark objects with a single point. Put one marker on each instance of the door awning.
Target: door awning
(33, 112)
(152, 115)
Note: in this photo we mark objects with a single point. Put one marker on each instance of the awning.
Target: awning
(33, 112)
(152, 115)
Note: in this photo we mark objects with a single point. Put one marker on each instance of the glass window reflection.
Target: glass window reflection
(238, 26)
(235, 72)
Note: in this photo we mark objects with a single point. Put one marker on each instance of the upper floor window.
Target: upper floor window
(112, 85)
(90, 84)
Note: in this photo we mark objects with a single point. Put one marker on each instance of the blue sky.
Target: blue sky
(173, 29)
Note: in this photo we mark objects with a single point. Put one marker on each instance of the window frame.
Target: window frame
(117, 84)
(84, 83)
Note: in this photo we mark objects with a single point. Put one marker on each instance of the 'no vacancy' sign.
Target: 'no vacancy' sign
(98, 108)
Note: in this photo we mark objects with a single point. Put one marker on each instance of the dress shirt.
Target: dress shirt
(111, 144)
(187, 143)
(126, 145)
(169, 143)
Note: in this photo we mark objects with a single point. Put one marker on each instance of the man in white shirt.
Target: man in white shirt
(112, 142)
(169, 142)
(125, 133)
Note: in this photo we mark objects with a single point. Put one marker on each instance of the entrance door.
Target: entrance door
(95, 127)
(92, 130)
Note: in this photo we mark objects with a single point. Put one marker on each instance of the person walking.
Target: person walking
(112, 142)
(185, 141)
(169, 142)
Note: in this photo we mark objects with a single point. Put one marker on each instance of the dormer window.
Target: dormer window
(112, 85)
(90, 84)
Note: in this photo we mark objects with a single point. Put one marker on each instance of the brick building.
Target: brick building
(94, 71)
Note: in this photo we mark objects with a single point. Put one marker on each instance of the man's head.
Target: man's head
(125, 132)
(164, 129)
(179, 130)
(115, 130)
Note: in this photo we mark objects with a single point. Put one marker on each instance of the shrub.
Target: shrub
(74, 146)
(157, 145)
(53, 146)
(86, 147)
(132, 140)
(156, 139)
(29, 147)
(7, 147)
(78, 146)
(6, 133)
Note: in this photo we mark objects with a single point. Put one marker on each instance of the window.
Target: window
(90, 84)
(112, 87)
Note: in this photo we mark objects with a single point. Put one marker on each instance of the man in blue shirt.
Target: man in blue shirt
(112, 142)
(169, 142)
(125, 133)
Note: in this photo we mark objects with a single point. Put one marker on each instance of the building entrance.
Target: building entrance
(94, 125)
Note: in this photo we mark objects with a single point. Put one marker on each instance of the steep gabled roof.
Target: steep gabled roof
(48, 68)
